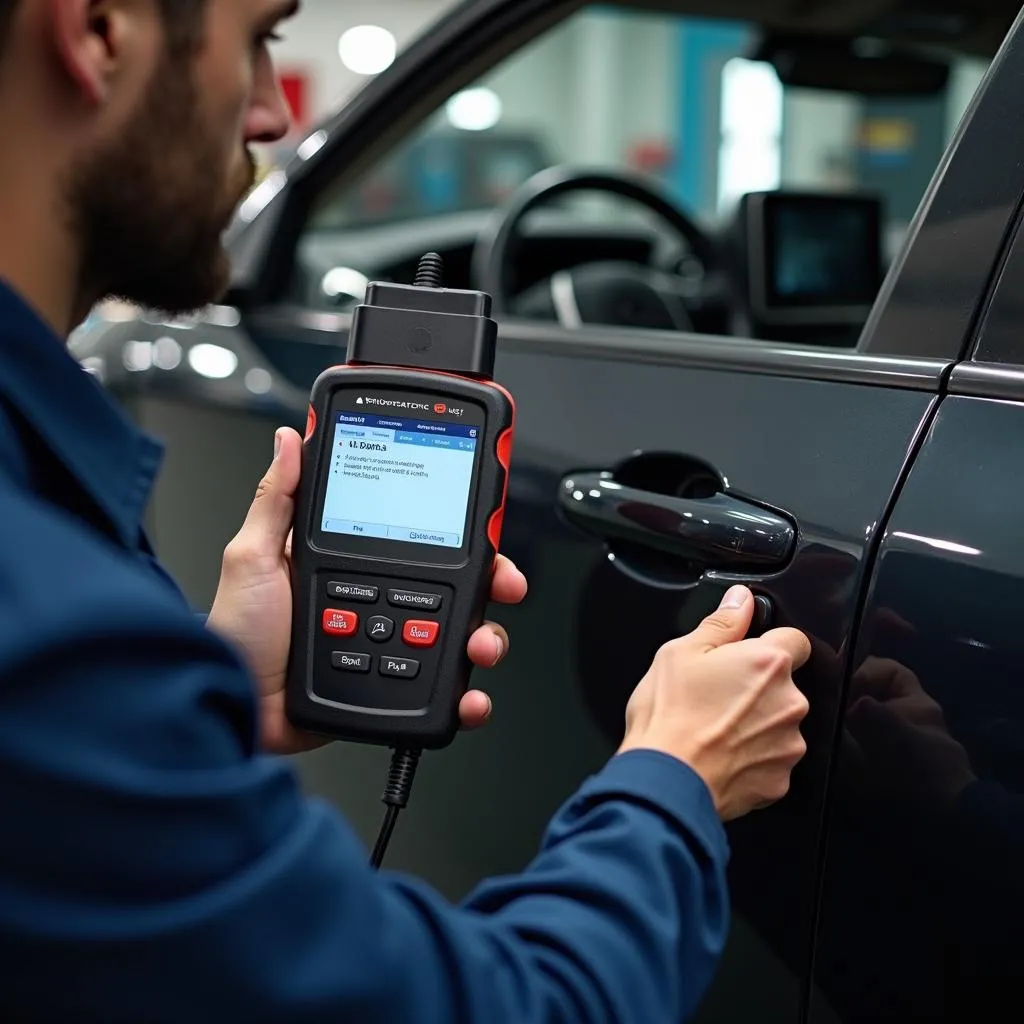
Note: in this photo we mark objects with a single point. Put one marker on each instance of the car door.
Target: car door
(922, 914)
(625, 438)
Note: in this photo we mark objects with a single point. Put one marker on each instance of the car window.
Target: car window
(690, 104)
(1001, 338)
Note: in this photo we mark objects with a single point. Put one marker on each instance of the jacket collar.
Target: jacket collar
(78, 422)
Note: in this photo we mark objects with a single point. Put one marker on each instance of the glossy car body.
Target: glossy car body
(887, 886)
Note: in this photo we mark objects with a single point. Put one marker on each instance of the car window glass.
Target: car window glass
(685, 102)
(1001, 338)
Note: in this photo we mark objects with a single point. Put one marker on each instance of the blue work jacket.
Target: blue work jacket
(156, 866)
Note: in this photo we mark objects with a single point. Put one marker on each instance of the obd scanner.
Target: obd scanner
(397, 524)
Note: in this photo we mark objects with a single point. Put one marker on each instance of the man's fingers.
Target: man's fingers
(793, 642)
(269, 519)
(728, 624)
(508, 584)
(475, 709)
(488, 645)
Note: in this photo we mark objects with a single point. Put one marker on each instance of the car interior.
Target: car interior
(788, 265)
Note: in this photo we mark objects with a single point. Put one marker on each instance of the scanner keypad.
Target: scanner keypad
(379, 640)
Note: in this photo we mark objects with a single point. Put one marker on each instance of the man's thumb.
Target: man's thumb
(270, 516)
(729, 623)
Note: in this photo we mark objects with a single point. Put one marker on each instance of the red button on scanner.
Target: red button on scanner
(420, 634)
(340, 623)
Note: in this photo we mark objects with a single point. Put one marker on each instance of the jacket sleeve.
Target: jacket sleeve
(156, 867)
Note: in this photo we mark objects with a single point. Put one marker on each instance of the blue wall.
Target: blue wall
(703, 48)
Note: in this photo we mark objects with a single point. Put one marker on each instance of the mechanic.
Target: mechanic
(158, 860)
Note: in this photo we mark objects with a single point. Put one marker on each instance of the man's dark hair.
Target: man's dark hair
(183, 19)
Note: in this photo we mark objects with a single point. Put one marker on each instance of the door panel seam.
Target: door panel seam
(863, 595)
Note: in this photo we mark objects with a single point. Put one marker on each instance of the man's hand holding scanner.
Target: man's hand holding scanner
(253, 605)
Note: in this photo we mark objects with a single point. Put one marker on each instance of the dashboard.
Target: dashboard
(795, 266)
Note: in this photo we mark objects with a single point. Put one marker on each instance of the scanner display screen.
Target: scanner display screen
(404, 478)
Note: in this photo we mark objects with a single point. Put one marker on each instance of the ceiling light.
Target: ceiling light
(367, 49)
(137, 355)
(213, 361)
(474, 110)
(222, 316)
(259, 381)
(166, 353)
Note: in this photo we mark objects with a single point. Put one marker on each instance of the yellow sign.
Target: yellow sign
(888, 135)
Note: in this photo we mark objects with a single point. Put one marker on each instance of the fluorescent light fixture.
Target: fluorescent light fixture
(750, 156)
(474, 110)
(367, 49)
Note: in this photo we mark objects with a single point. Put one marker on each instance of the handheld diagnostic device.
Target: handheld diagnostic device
(398, 521)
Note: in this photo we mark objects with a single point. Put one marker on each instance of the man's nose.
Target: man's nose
(269, 116)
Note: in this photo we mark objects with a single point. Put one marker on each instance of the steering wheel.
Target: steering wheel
(605, 293)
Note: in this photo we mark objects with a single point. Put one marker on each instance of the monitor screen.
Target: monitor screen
(399, 478)
(821, 251)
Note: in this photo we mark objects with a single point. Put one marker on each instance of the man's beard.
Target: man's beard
(149, 209)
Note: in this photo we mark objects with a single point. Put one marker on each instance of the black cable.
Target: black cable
(396, 796)
(390, 817)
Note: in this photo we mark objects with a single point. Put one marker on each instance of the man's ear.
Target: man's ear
(92, 39)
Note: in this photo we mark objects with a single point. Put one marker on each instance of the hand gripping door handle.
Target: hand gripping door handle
(721, 532)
